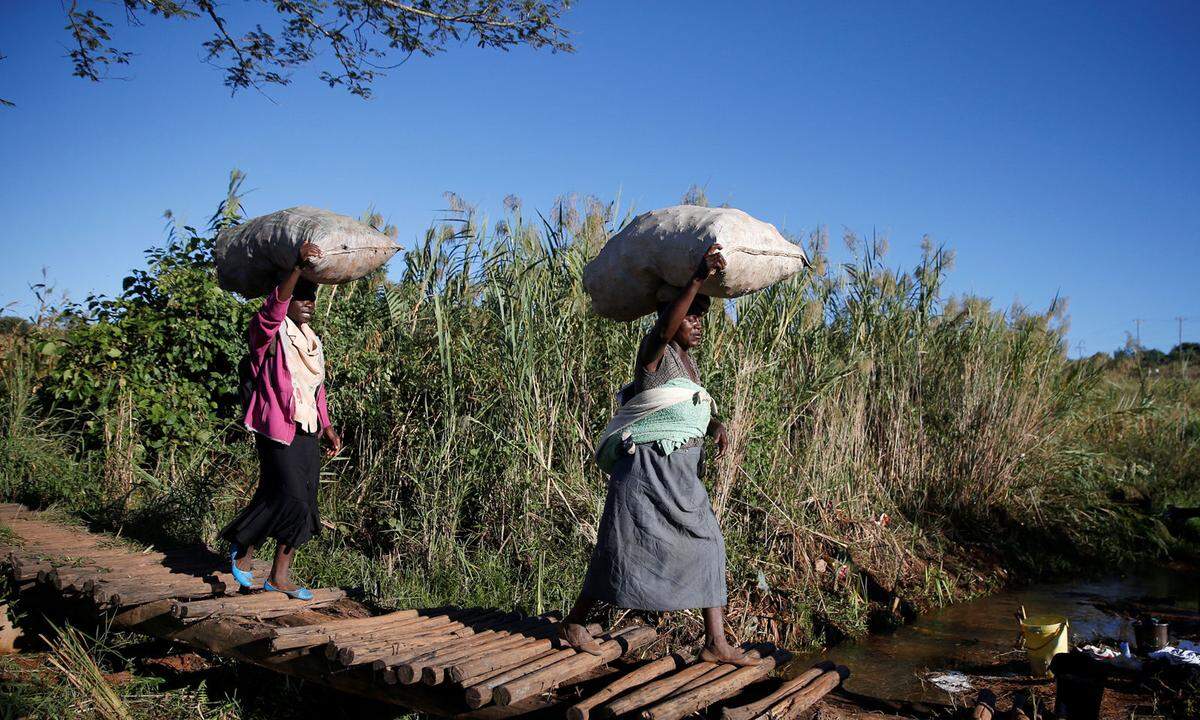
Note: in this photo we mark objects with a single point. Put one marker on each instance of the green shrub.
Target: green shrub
(886, 440)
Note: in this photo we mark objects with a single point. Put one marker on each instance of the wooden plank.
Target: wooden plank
(368, 654)
(526, 666)
(159, 575)
(661, 688)
(555, 674)
(526, 642)
(24, 570)
(510, 630)
(143, 613)
(697, 698)
(360, 649)
(713, 673)
(261, 605)
(481, 664)
(453, 619)
(77, 555)
(135, 565)
(84, 578)
(639, 676)
(482, 692)
(121, 596)
(364, 623)
(62, 544)
(787, 687)
(387, 666)
(796, 703)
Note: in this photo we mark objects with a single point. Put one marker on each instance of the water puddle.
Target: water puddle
(941, 653)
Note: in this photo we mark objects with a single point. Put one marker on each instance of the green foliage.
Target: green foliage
(38, 464)
(167, 348)
(886, 440)
(361, 34)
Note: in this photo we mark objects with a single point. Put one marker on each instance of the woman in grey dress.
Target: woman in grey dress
(659, 546)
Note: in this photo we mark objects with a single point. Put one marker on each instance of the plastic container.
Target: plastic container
(1045, 636)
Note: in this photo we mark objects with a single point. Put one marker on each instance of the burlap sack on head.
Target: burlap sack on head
(657, 252)
(251, 256)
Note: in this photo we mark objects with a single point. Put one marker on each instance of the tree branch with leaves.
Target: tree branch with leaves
(366, 37)
(4, 102)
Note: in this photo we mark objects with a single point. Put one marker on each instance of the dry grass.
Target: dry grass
(891, 447)
(70, 657)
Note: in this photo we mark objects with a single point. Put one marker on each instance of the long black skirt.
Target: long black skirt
(284, 506)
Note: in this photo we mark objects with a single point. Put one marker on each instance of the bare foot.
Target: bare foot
(577, 636)
(726, 653)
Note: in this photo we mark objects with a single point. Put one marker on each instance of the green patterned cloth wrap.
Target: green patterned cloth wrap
(668, 416)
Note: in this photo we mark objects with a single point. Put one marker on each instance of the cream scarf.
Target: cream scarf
(306, 361)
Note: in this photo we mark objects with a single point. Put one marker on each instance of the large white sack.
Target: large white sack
(658, 252)
(251, 256)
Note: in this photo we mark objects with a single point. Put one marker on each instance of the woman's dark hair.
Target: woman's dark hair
(700, 305)
(305, 290)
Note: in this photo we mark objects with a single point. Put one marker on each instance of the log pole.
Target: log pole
(702, 696)
(577, 664)
(746, 712)
(639, 676)
(796, 703)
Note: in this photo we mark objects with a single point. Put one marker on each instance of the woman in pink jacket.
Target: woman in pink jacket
(286, 410)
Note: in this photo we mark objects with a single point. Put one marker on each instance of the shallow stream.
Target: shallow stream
(979, 637)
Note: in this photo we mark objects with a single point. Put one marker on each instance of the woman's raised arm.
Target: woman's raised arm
(668, 323)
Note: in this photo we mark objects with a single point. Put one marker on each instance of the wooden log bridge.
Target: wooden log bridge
(447, 661)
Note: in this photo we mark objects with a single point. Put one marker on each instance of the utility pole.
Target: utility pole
(1137, 324)
(1179, 347)
(1079, 346)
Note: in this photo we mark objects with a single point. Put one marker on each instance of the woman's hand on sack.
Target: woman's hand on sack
(308, 253)
(720, 437)
(334, 440)
(712, 262)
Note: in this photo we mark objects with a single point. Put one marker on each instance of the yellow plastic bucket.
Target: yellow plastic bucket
(1045, 636)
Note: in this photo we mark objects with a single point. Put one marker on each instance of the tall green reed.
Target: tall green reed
(891, 446)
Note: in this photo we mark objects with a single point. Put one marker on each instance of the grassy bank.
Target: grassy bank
(892, 448)
(107, 675)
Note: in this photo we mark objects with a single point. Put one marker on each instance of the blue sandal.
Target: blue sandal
(243, 577)
(297, 594)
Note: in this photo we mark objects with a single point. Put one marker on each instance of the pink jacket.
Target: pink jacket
(272, 409)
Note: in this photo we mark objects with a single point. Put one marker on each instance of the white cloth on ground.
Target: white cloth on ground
(1185, 652)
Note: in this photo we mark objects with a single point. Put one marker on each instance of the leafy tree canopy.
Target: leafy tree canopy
(365, 37)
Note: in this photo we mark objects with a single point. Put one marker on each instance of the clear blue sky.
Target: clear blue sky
(1054, 146)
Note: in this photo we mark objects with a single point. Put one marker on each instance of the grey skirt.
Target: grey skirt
(659, 546)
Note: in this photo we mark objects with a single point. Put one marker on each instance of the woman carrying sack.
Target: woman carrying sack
(286, 410)
(659, 545)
